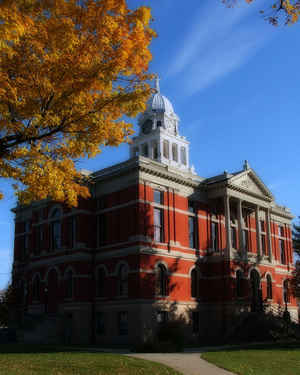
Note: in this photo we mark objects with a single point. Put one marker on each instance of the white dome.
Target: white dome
(159, 103)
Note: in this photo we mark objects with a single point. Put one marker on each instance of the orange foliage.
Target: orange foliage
(70, 70)
(287, 11)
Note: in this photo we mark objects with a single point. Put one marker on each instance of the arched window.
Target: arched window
(256, 300)
(286, 294)
(162, 281)
(194, 283)
(269, 287)
(123, 280)
(238, 280)
(36, 287)
(69, 284)
(166, 148)
(100, 282)
(55, 229)
(155, 150)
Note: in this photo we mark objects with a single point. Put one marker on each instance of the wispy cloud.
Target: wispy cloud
(217, 43)
(223, 59)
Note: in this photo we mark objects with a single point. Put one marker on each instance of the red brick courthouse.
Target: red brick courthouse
(154, 240)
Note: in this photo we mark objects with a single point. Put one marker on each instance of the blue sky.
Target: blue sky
(234, 82)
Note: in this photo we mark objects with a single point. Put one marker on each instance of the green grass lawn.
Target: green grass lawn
(257, 362)
(19, 360)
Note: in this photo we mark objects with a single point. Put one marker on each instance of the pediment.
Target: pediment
(249, 181)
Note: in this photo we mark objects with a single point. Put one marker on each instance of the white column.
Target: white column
(269, 234)
(227, 225)
(258, 236)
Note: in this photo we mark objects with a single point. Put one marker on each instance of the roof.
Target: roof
(160, 103)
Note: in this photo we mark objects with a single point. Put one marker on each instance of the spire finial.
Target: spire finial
(157, 83)
(246, 165)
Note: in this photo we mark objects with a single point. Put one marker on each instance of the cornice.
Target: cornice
(248, 192)
(169, 173)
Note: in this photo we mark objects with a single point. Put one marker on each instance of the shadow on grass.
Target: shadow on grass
(41, 348)
(258, 346)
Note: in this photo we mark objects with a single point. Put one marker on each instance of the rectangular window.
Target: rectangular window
(280, 231)
(245, 240)
(174, 152)
(158, 225)
(39, 238)
(166, 149)
(195, 321)
(27, 226)
(72, 231)
(162, 316)
(102, 229)
(214, 236)
(262, 226)
(282, 252)
(263, 244)
(191, 207)
(100, 323)
(233, 237)
(56, 235)
(123, 323)
(192, 232)
(158, 197)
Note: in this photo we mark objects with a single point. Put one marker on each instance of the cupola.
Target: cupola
(158, 136)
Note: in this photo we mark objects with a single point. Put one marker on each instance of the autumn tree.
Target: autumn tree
(70, 72)
(7, 301)
(279, 11)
